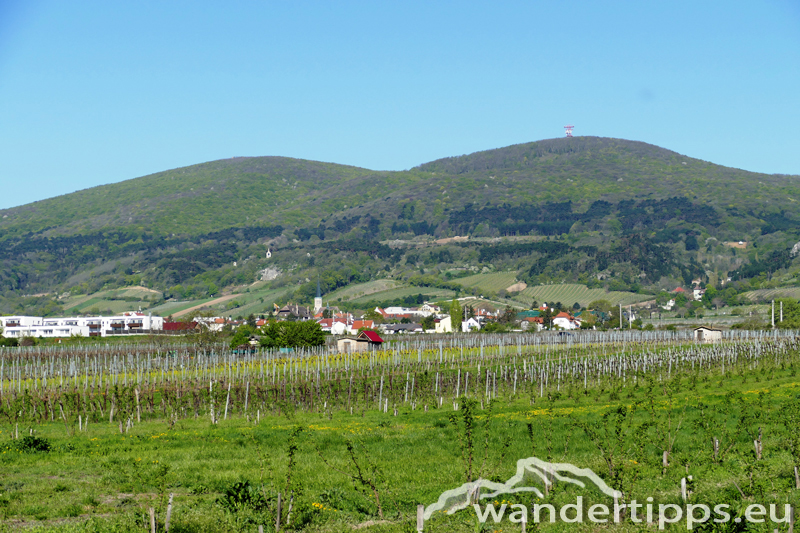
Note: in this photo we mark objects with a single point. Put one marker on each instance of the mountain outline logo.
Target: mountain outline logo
(531, 473)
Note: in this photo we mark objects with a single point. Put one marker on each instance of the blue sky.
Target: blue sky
(99, 92)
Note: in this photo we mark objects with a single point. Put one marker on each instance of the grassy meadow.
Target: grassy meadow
(316, 433)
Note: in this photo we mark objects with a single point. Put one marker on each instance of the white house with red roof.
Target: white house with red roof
(359, 324)
(566, 321)
(334, 326)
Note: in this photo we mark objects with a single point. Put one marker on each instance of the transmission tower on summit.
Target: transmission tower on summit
(568, 130)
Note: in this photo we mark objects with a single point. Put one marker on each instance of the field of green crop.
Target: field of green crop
(341, 464)
(762, 295)
(255, 302)
(359, 290)
(76, 303)
(111, 300)
(569, 293)
(169, 308)
(430, 293)
(489, 282)
(115, 306)
(135, 292)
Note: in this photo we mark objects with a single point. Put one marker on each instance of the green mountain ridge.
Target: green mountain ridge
(270, 190)
(161, 200)
(610, 213)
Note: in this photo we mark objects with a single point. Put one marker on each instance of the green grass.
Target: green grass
(111, 479)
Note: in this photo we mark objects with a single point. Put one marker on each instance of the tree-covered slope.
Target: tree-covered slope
(201, 198)
(276, 190)
(586, 169)
(603, 212)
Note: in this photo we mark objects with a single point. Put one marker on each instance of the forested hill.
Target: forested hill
(201, 198)
(627, 213)
(251, 191)
(585, 169)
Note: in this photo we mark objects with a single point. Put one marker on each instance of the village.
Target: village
(349, 331)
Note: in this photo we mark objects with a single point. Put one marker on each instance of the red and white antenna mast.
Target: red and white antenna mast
(568, 130)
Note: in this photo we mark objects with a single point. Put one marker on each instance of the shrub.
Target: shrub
(27, 341)
(31, 444)
(242, 495)
(72, 510)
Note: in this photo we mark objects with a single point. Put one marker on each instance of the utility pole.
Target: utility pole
(773, 313)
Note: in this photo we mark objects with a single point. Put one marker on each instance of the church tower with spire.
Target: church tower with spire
(318, 299)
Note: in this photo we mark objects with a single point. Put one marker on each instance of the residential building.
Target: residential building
(392, 329)
(471, 324)
(294, 312)
(566, 321)
(17, 321)
(444, 325)
(126, 323)
(359, 324)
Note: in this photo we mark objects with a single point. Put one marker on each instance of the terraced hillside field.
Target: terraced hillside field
(115, 301)
(569, 293)
(762, 295)
(489, 282)
(170, 308)
(430, 294)
(359, 290)
(256, 302)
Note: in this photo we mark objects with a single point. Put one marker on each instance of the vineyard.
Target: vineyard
(358, 290)
(492, 282)
(255, 301)
(566, 293)
(117, 301)
(211, 440)
(569, 293)
(765, 295)
(430, 293)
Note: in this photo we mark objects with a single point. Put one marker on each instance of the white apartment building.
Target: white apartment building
(16, 321)
(126, 323)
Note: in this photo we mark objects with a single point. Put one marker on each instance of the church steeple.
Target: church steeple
(318, 299)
